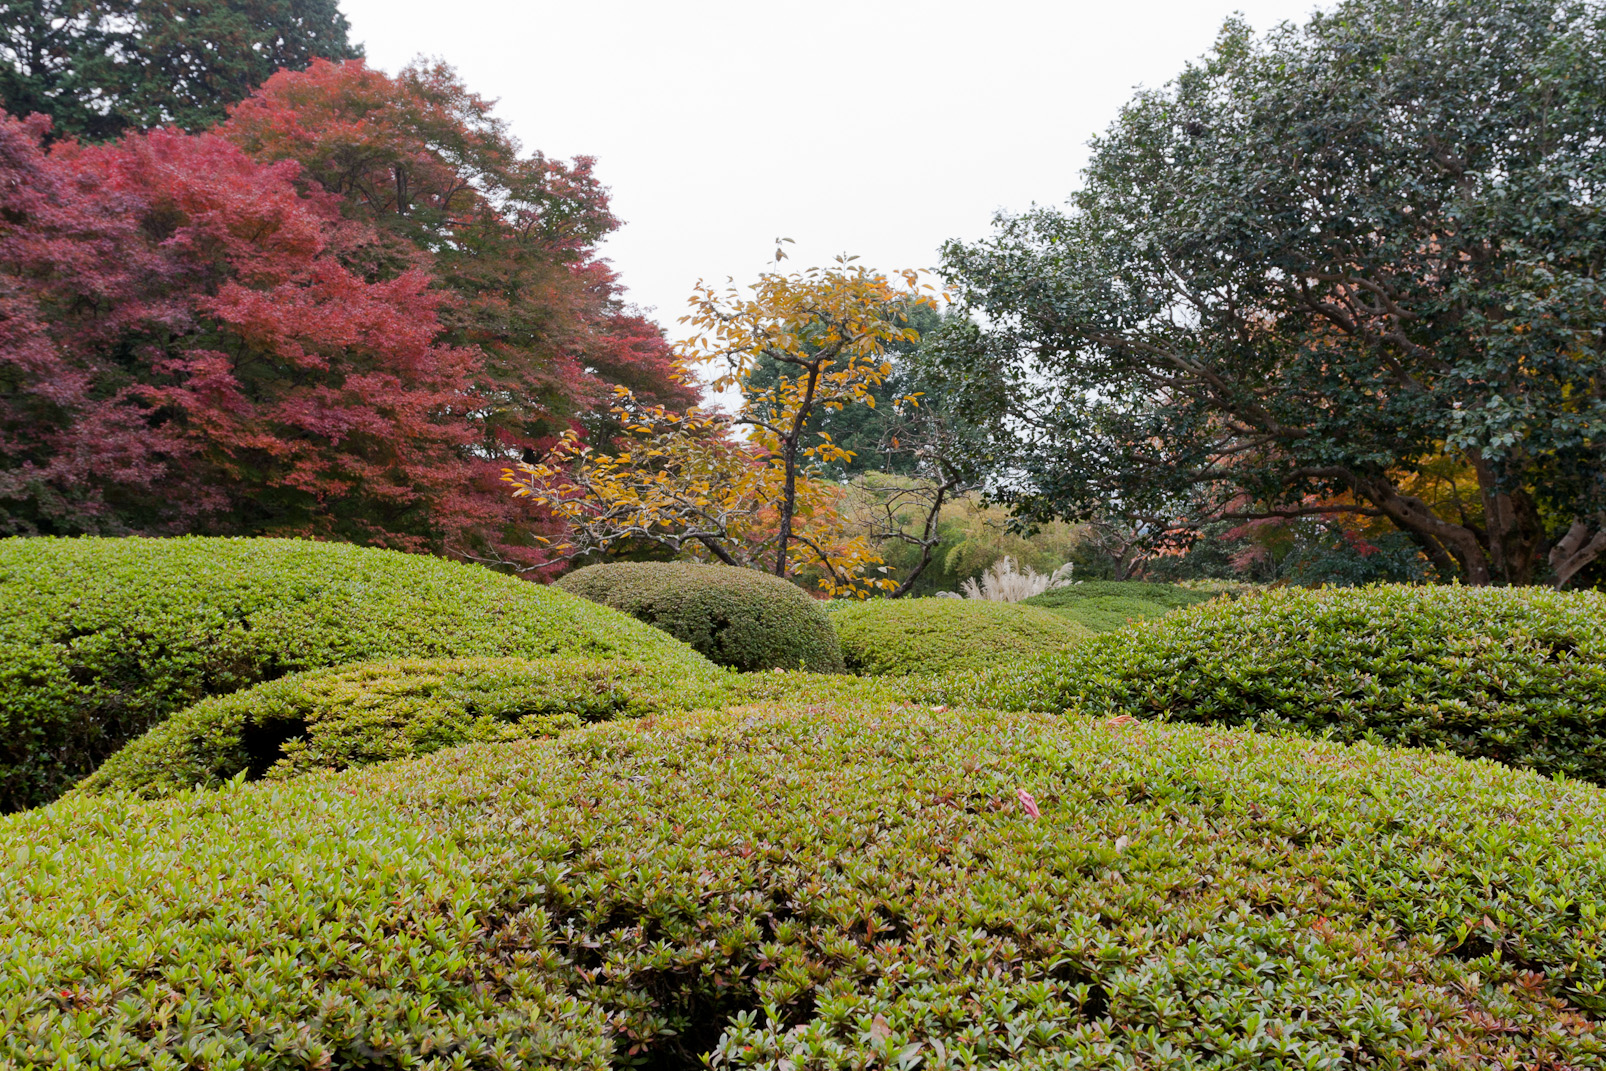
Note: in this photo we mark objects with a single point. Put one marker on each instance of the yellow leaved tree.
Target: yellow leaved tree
(744, 488)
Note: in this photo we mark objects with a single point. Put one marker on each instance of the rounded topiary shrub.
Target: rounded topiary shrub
(823, 886)
(1513, 674)
(897, 637)
(353, 715)
(103, 638)
(1103, 605)
(735, 617)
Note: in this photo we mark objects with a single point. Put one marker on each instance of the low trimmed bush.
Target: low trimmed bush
(103, 638)
(740, 618)
(1516, 675)
(898, 637)
(825, 887)
(354, 715)
(1105, 605)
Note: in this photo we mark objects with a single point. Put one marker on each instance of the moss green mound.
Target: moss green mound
(898, 637)
(1104, 605)
(355, 715)
(103, 638)
(740, 618)
(1517, 675)
(828, 887)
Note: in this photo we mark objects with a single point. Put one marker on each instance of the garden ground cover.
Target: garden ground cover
(898, 637)
(1105, 605)
(827, 884)
(103, 638)
(1517, 675)
(367, 712)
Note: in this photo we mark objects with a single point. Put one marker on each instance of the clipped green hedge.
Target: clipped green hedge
(740, 618)
(898, 637)
(822, 887)
(354, 715)
(1516, 675)
(1104, 605)
(103, 638)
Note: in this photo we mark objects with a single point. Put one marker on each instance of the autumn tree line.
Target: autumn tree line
(1328, 305)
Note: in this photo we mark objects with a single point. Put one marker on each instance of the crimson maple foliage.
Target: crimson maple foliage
(236, 332)
(186, 351)
(511, 235)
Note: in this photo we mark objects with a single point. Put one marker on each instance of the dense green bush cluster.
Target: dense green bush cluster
(353, 715)
(734, 617)
(831, 887)
(897, 637)
(102, 638)
(1103, 605)
(1517, 675)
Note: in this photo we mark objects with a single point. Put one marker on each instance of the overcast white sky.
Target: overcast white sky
(869, 127)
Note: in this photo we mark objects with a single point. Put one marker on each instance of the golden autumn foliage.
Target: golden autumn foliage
(689, 481)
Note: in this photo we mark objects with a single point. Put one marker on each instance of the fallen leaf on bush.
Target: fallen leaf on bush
(880, 1029)
(1121, 842)
(1027, 802)
(938, 710)
(1121, 719)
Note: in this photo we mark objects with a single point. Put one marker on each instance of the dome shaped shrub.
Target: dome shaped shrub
(896, 637)
(734, 617)
(103, 638)
(354, 715)
(1513, 674)
(829, 887)
(1103, 605)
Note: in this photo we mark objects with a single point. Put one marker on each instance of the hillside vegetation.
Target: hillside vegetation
(741, 618)
(1105, 605)
(1513, 674)
(898, 637)
(825, 886)
(103, 638)
(368, 712)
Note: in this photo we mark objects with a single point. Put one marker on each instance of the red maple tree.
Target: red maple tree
(339, 316)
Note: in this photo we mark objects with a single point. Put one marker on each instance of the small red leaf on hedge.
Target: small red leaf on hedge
(1027, 802)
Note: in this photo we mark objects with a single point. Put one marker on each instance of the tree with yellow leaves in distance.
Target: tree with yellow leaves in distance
(687, 482)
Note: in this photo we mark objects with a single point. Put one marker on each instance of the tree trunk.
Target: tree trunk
(928, 541)
(1451, 547)
(789, 462)
(1578, 548)
(1515, 534)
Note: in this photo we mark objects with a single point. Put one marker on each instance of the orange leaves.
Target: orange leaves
(688, 482)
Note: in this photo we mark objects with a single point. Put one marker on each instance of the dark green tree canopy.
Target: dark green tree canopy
(1353, 266)
(100, 67)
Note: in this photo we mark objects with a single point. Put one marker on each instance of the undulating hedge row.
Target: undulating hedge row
(1517, 675)
(354, 715)
(1104, 605)
(897, 637)
(740, 618)
(822, 887)
(103, 638)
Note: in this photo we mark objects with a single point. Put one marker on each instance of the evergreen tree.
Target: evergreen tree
(99, 68)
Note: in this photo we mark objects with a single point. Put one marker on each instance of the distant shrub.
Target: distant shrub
(1103, 605)
(353, 715)
(896, 637)
(103, 638)
(1517, 675)
(827, 887)
(734, 617)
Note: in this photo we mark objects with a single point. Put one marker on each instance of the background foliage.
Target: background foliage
(1352, 267)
